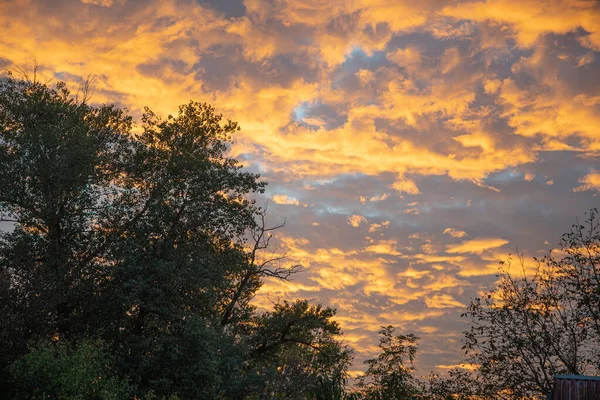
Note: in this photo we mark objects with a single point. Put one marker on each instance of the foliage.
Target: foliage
(56, 163)
(295, 347)
(63, 371)
(459, 384)
(389, 376)
(151, 241)
(577, 272)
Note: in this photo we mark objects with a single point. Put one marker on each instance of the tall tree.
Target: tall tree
(57, 159)
(533, 326)
(390, 375)
(149, 240)
(296, 353)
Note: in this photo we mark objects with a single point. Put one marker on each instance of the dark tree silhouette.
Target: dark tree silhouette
(149, 241)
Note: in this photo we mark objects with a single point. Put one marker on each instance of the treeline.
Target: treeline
(131, 257)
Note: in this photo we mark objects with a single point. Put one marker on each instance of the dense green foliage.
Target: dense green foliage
(146, 242)
(61, 371)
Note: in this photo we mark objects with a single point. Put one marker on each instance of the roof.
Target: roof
(576, 387)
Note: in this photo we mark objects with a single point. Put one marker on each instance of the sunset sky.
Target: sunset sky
(410, 144)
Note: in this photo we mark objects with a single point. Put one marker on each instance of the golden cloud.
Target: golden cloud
(530, 20)
(476, 246)
(385, 100)
(384, 247)
(442, 301)
(376, 227)
(103, 3)
(470, 367)
(455, 232)
(356, 220)
(284, 199)
(589, 182)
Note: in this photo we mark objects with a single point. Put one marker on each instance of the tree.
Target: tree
(459, 384)
(151, 241)
(56, 162)
(578, 271)
(529, 328)
(175, 254)
(389, 376)
(295, 346)
(256, 266)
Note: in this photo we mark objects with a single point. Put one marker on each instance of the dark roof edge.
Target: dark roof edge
(578, 377)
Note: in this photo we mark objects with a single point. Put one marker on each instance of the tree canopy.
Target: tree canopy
(147, 242)
(390, 375)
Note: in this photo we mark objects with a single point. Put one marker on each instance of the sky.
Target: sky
(409, 145)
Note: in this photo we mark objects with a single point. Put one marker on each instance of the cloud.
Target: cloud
(405, 186)
(476, 246)
(454, 116)
(589, 182)
(380, 197)
(528, 176)
(478, 139)
(408, 57)
(103, 3)
(356, 220)
(455, 233)
(375, 227)
(444, 281)
(450, 60)
(284, 199)
(530, 21)
(386, 247)
(442, 301)
(469, 367)
(586, 59)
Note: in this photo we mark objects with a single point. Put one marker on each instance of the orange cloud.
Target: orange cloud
(455, 233)
(444, 281)
(103, 3)
(470, 367)
(356, 220)
(376, 227)
(442, 301)
(387, 247)
(380, 197)
(589, 182)
(530, 20)
(284, 199)
(476, 246)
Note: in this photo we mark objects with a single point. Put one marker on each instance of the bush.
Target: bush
(60, 370)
